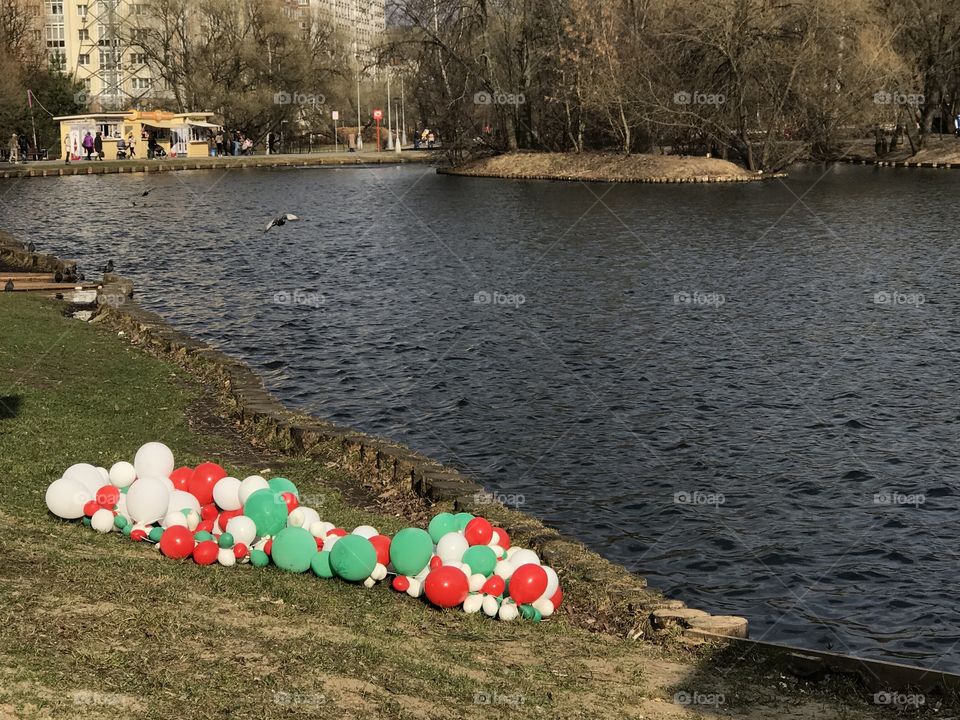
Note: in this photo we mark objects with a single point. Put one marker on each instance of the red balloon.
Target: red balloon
(447, 586)
(225, 517)
(90, 507)
(176, 542)
(138, 534)
(209, 511)
(401, 583)
(201, 483)
(340, 532)
(478, 532)
(205, 553)
(268, 547)
(494, 585)
(319, 543)
(557, 598)
(528, 583)
(503, 540)
(107, 496)
(204, 525)
(240, 551)
(180, 477)
(381, 543)
(291, 500)
(435, 562)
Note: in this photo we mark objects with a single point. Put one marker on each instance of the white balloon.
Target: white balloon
(243, 529)
(320, 529)
(102, 521)
(477, 581)
(303, 517)
(66, 497)
(508, 611)
(193, 519)
(497, 537)
(369, 582)
(173, 518)
(451, 547)
(87, 475)
(490, 606)
(379, 572)
(498, 551)
(153, 460)
(522, 556)
(473, 604)
(366, 531)
(422, 575)
(250, 485)
(122, 474)
(553, 582)
(182, 500)
(504, 569)
(226, 493)
(104, 475)
(258, 545)
(415, 589)
(226, 557)
(147, 499)
(169, 483)
(544, 606)
(330, 540)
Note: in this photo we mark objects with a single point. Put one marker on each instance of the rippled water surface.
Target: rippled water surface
(724, 345)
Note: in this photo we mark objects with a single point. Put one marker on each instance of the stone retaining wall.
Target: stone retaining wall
(649, 180)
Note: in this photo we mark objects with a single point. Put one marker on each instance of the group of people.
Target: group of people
(18, 148)
(233, 143)
(424, 139)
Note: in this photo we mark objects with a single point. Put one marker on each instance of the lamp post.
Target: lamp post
(403, 112)
(359, 125)
(389, 113)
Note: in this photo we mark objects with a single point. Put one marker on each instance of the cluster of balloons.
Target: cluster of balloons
(204, 514)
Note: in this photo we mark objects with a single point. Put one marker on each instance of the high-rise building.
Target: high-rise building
(359, 22)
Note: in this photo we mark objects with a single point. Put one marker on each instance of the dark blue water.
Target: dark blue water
(747, 393)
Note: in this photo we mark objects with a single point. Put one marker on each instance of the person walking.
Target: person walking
(14, 149)
(24, 147)
(88, 144)
(131, 146)
(98, 146)
(67, 150)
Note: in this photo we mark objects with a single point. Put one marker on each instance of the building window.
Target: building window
(54, 8)
(138, 58)
(142, 83)
(84, 34)
(82, 11)
(83, 59)
(108, 60)
(55, 36)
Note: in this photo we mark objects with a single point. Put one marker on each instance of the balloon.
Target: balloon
(121, 523)
(440, 525)
(90, 508)
(529, 612)
(353, 558)
(200, 536)
(226, 516)
(491, 606)
(365, 531)
(258, 558)
(176, 542)
(461, 520)
(416, 588)
(293, 549)
(282, 485)
(476, 583)
(435, 562)
(494, 585)
(104, 474)
(508, 611)
(250, 485)
(66, 497)
(209, 512)
(500, 538)
(122, 474)
(180, 477)
(226, 557)
(155, 534)
(226, 493)
(528, 583)
(553, 583)
(102, 521)
(330, 540)
(320, 564)
(243, 529)
(451, 547)
(267, 510)
(522, 556)
(381, 543)
(446, 587)
(201, 483)
(401, 583)
(181, 500)
(87, 475)
(478, 532)
(153, 460)
(544, 607)
(319, 529)
(303, 517)
(411, 550)
(147, 499)
(226, 540)
(174, 519)
(481, 559)
(240, 551)
(557, 599)
(379, 572)
(473, 604)
(504, 569)
(205, 553)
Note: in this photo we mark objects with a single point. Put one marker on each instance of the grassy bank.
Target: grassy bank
(96, 626)
(605, 167)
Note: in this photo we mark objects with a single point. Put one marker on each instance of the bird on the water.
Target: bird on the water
(281, 220)
(108, 268)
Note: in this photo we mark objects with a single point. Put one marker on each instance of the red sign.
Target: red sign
(377, 114)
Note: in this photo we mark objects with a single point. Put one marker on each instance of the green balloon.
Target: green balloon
(293, 549)
(226, 540)
(202, 536)
(86, 521)
(127, 530)
(267, 510)
(258, 558)
(481, 559)
(120, 522)
(321, 564)
(461, 520)
(282, 485)
(411, 550)
(441, 525)
(155, 534)
(353, 558)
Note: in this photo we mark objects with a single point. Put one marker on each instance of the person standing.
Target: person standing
(131, 146)
(14, 149)
(88, 144)
(218, 139)
(98, 146)
(67, 150)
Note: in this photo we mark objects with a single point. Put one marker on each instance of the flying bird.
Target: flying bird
(281, 220)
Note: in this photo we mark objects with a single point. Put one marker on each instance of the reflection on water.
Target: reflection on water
(748, 393)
